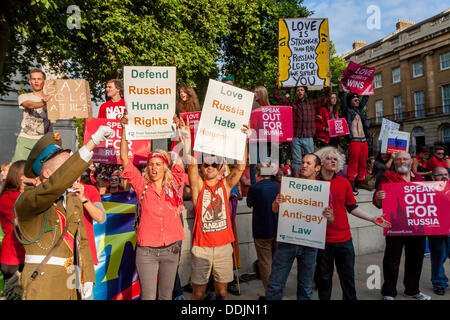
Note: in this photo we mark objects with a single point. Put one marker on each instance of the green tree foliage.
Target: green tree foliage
(202, 38)
(250, 51)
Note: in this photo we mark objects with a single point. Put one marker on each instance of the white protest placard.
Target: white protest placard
(300, 219)
(150, 98)
(394, 141)
(387, 125)
(225, 110)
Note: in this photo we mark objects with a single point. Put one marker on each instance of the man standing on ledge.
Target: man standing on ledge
(50, 221)
(35, 122)
(304, 121)
(113, 108)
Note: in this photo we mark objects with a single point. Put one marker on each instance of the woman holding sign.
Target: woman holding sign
(158, 224)
(187, 100)
(327, 112)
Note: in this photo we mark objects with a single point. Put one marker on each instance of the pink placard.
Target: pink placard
(194, 119)
(271, 121)
(358, 79)
(417, 208)
(108, 152)
(338, 127)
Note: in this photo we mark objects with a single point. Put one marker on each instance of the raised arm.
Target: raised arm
(282, 100)
(123, 141)
(235, 175)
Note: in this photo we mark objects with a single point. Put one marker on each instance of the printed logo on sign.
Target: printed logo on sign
(214, 213)
(282, 236)
(338, 127)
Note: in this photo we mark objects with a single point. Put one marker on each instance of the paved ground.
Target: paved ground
(251, 290)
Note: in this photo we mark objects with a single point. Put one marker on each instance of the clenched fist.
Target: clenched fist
(102, 133)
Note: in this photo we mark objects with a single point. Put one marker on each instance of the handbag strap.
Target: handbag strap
(137, 218)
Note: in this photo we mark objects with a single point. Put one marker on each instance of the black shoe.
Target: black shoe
(439, 291)
(355, 191)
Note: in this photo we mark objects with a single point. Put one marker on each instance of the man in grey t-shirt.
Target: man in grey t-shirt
(35, 122)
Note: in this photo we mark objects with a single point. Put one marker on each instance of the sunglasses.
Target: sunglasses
(440, 153)
(214, 165)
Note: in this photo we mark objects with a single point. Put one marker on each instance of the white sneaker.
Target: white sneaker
(388, 298)
(420, 296)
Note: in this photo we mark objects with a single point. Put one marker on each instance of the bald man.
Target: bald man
(414, 245)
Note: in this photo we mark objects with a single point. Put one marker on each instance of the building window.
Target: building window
(419, 104)
(378, 111)
(446, 98)
(398, 109)
(417, 69)
(395, 75)
(377, 81)
(445, 60)
(446, 134)
(417, 139)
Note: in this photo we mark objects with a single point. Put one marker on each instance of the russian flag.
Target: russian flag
(395, 144)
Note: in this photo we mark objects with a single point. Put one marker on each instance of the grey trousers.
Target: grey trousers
(157, 269)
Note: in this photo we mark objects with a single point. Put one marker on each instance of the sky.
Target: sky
(351, 20)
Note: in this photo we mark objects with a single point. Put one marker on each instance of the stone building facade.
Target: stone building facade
(412, 80)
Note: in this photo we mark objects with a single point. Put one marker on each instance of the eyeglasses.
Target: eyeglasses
(356, 99)
(440, 153)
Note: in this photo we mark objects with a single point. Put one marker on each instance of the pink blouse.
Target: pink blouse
(160, 223)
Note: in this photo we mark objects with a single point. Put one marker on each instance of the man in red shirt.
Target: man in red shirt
(438, 160)
(339, 245)
(414, 245)
(113, 108)
(212, 233)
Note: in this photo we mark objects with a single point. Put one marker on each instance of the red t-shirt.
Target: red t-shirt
(435, 162)
(341, 195)
(92, 193)
(288, 170)
(12, 251)
(212, 225)
(112, 110)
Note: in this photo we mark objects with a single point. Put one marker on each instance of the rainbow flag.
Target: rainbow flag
(116, 276)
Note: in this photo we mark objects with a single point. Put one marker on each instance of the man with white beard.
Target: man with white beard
(414, 245)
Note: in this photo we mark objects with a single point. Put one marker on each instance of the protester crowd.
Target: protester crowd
(212, 185)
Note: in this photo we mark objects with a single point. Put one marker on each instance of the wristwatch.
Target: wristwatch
(85, 201)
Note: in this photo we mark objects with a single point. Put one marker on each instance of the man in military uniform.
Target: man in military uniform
(50, 222)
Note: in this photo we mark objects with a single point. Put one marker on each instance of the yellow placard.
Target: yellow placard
(303, 53)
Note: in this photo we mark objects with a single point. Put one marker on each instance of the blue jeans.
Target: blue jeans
(440, 251)
(308, 146)
(281, 267)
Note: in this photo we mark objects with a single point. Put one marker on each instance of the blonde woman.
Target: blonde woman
(159, 191)
(261, 97)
